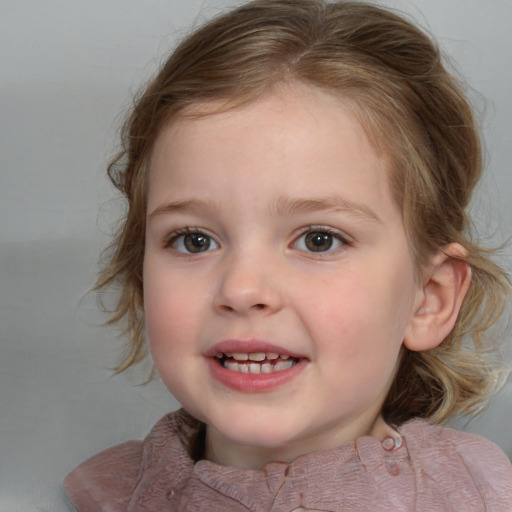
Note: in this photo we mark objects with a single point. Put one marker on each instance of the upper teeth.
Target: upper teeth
(253, 356)
(258, 367)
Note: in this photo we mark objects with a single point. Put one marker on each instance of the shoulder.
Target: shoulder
(107, 481)
(460, 462)
(112, 472)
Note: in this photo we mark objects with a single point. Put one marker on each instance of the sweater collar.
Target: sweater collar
(311, 481)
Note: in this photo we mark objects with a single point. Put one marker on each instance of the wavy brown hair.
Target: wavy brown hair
(412, 108)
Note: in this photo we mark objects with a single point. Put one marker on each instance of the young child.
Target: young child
(296, 253)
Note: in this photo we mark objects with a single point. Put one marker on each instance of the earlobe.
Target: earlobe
(445, 285)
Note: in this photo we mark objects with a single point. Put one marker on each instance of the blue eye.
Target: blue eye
(192, 242)
(319, 241)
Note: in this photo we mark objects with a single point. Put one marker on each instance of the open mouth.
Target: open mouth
(256, 362)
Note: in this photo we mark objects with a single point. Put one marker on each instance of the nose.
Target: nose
(248, 285)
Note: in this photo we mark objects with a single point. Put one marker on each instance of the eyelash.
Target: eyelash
(344, 241)
(175, 236)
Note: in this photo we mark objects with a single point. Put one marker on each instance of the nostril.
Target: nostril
(232, 309)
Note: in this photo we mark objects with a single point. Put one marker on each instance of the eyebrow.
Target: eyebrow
(187, 206)
(288, 205)
(285, 205)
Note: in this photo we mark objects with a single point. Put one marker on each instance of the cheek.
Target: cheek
(170, 331)
(176, 307)
(363, 314)
(166, 309)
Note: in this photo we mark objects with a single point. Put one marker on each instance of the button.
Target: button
(392, 443)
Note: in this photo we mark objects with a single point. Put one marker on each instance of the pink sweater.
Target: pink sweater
(436, 469)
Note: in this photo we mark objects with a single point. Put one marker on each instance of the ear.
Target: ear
(445, 284)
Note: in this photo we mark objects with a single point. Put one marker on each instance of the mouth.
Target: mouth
(255, 362)
(253, 366)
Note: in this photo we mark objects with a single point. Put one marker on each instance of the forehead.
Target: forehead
(291, 93)
(292, 139)
(290, 97)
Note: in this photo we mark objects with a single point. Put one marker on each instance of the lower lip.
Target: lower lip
(253, 382)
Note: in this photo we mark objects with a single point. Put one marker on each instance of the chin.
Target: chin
(258, 434)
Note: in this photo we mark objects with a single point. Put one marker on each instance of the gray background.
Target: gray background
(68, 68)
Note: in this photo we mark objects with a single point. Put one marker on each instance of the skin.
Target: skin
(254, 182)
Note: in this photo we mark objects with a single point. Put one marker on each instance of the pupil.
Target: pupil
(196, 242)
(318, 242)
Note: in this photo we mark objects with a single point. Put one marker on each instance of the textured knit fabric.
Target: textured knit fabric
(436, 469)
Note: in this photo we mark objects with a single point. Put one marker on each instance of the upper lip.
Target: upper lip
(248, 346)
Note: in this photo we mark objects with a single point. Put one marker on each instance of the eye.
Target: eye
(319, 240)
(192, 242)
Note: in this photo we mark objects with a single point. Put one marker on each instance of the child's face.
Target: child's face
(273, 230)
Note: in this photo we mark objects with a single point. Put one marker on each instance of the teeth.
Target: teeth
(257, 367)
(283, 365)
(253, 356)
(266, 368)
(232, 366)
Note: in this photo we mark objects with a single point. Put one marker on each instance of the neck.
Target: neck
(225, 452)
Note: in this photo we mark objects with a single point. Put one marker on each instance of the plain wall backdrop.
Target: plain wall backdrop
(68, 70)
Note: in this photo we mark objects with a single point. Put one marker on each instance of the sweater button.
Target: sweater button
(392, 443)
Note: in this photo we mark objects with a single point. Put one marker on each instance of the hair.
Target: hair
(393, 76)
